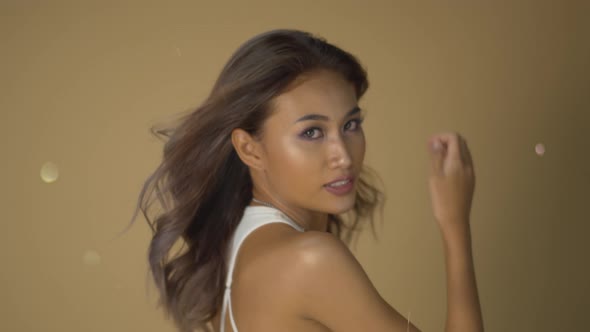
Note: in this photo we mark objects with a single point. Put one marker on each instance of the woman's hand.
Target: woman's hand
(451, 181)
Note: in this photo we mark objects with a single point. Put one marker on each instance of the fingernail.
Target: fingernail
(436, 146)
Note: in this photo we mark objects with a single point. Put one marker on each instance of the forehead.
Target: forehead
(322, 92)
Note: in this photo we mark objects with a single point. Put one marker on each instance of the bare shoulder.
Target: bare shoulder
(329, 286)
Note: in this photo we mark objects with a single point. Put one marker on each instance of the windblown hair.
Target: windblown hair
(201, 185)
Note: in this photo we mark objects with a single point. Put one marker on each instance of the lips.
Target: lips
(341, 187)
(342, 181)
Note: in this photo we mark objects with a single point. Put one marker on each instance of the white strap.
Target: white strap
(226, 305)
(229, 277)
(231, 314)
(224, 308)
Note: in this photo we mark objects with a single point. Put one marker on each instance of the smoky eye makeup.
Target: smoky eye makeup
(311, 133)
(358, 122)
(355, 119)
(315, 132)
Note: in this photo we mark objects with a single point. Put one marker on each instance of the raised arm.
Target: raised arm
(452, 184)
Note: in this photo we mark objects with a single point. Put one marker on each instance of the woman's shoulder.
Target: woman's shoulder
(322, 278)
(318, 256)
(313, 247)
(313, 275)
(288, 245)
(294, 258)
(279, 251)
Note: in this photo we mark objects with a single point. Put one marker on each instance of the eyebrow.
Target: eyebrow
(355, 110)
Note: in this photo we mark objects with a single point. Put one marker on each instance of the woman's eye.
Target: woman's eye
(353, 124)
(311, 133)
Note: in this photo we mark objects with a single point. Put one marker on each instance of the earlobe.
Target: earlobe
(247, 148)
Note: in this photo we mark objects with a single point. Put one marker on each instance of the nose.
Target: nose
(339, 157)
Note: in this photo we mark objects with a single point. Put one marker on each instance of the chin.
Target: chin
(340, 205)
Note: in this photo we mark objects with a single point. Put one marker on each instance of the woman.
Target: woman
(256, 182)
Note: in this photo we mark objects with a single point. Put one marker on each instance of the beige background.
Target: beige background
(82, 81)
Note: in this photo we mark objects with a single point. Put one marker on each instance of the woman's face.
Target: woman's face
(314, 145)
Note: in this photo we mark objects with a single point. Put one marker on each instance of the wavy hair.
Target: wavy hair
(202, 187)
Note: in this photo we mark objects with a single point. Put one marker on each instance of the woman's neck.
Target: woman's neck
(307, 219)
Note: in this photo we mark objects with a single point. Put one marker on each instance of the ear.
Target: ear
(247, 148)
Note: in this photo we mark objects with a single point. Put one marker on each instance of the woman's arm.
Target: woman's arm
(452, 184)
(463, 308)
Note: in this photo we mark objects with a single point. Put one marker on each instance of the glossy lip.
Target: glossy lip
(348, 177)
(343, 190)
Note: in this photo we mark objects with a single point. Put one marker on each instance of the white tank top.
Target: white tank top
(253, 218)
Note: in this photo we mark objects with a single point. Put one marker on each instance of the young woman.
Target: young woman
(263, 185)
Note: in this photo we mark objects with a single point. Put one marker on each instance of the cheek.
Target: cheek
(294, 165)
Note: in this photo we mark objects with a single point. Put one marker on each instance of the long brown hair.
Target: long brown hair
(202, 187)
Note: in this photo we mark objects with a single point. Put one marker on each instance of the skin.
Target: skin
(285, 280)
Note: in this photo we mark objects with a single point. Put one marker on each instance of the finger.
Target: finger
(436, 155)
(466, 154)
(455, 146)
(462, 149)
(451, 142)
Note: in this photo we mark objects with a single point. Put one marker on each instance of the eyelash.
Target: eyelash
(358, 122)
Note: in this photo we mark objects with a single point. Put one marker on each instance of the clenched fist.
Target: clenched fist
(452, 179)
